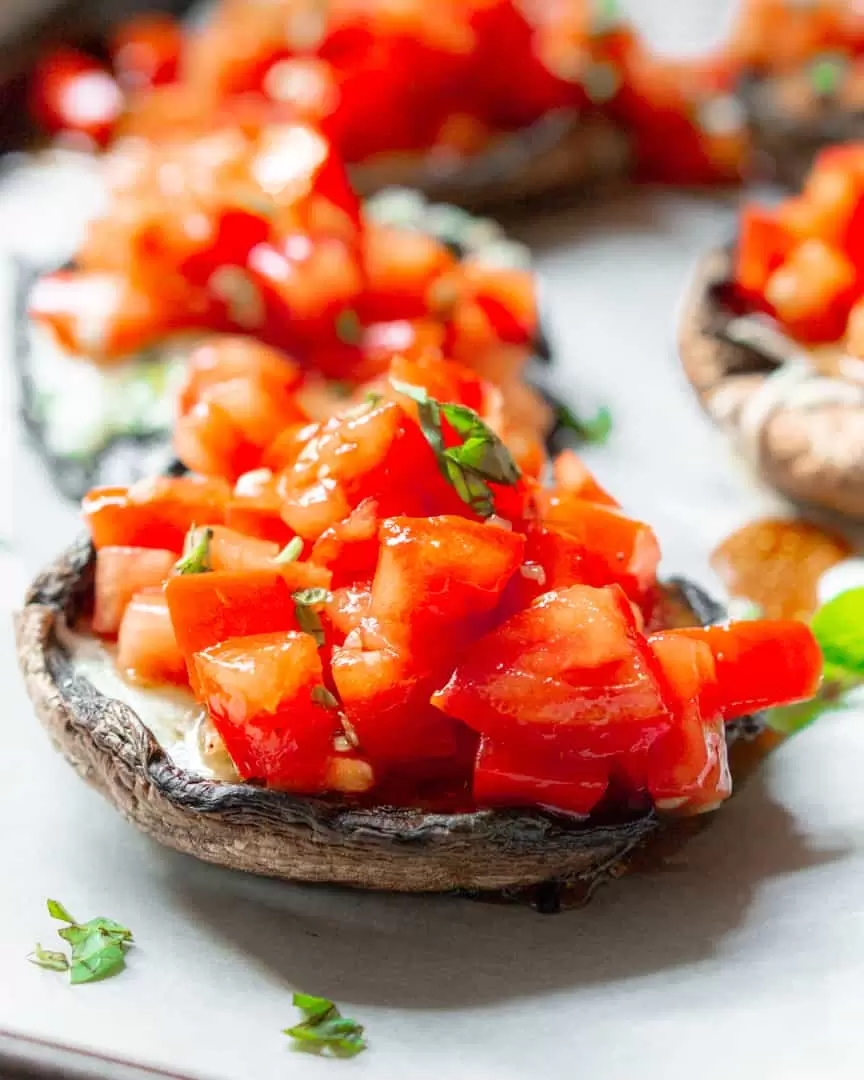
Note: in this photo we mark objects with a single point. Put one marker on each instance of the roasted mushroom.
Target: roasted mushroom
(305, 839)
(801, 426)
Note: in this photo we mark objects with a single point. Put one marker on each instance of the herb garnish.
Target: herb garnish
(322, 696)
(837, 628)
(306, 603)
(291, 552)
(480, 457)
(349, 329)
(595, 430)
(196, 552)
(323, 1029)
(98, 947)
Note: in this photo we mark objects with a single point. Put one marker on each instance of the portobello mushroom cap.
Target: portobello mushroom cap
(808, 446)
(791, 121)
(560, 153)
(286, 836)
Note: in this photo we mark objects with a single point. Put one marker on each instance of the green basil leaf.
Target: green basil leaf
(349, 329)
(291, 552)
(196, 552)
(324, 1030)
(595, 430)
(322, 696)
(57, 911)
(837, 627)
(308, 619)
(97, 960)
(51, 961)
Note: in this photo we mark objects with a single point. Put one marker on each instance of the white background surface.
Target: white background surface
(745, 958)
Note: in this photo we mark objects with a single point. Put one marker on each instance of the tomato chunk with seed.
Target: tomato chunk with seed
(386, 699)
(761, 664)
(573, 665)
(687, 767)
(147, 649)
(261, 692)
(617, 548)
(511, 775)
(120, 573)
(153, 513)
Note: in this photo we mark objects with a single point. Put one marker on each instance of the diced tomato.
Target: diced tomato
(761, 664)
(573, 476)
(813, 291)
(105, 316)
(437, 578)
(686, 766)
(146, 51)
(383, 342)
(229, 357)
(552, 560)
(347, 607)
(571, 666)
(442, 379)
(307, 85)
(154, 513)
(71, 91)
(147, 650)
(511, 775)
(507, 297)
(261, 694)
(350, 547)
(120, 573)
(254, 508)
(209, 608)
(617, 548)
(207, 440)
(386, 701)
(307, 283)
(285, 448)
(764, 244)
(376, 451)
(855, 330)
(231, 550)
(400, 267)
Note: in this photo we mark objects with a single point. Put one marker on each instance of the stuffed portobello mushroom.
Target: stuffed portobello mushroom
(771, 336)
(393, 656)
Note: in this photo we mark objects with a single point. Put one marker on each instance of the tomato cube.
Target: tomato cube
(209, 608)
(120, 573)
(764, 244)
(154, 513)
(385, 694)
(572, 668)
(511, 775)
(220, 359)
(147, 649)
(686, 766)
(618, 549)
(813, 291)
(441, 572)
(350, 547)
(573, 476)
(761, 664)
(261, 692)
(400, 266)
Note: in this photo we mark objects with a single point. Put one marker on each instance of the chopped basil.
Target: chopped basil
(52, 961)
(323, 1029)
(596, 429)
(306, 601)
(322, 696)
(196, 552)
(837, 628)
(349, 329)
(291, 552)
(480, 457)
(826, 74)
(98, 947)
